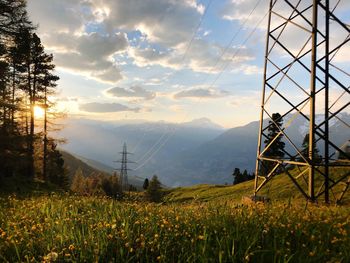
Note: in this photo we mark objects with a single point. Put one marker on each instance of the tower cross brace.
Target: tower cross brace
(305, 78)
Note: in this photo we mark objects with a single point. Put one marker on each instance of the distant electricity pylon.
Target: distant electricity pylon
(307, 77)
(123, 171)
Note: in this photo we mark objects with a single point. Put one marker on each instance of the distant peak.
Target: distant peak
(203, 122)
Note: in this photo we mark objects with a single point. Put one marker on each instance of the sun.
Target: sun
(39, 112)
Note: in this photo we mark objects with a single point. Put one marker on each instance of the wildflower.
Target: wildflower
(200, 237)
(52, 256)
(71, 247)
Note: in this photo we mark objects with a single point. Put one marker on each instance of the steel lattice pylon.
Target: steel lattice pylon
(123, 177)
(307, 80)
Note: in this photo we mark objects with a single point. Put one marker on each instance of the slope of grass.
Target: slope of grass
(195, 224)
(280, 188)
(91, 229)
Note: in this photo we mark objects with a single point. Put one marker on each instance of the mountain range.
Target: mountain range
(189, 153)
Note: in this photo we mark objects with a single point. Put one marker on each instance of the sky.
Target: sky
(171, 60)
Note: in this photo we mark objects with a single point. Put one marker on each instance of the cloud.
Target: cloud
(163, 28)
(202, 56)
(166, 22)
(201, 93)
(66, 29)
(135, 92)
(89, 54)
(59, 15)
(238, 10)
(252, 100)
(97, 107)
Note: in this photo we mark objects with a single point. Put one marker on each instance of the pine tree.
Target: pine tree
(153, 192)
(26, 79)
(78, 184)
(236, 176)
(305, 150)
(145, 184)
(276, 149)
(245, 175)
(56, 173)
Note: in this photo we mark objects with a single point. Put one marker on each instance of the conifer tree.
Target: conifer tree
(236, 176)
(276, 149)
(153, 192)
(78, 182)
(305, 150)
(145, 184)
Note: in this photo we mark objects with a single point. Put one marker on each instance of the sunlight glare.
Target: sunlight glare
(39, 112)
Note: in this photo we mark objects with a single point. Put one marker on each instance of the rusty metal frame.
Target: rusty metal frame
(320, 77)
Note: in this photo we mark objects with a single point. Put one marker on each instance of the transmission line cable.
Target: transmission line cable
(234, 37)
(183, 58)
(232, 58)
(196, 30)
(237, 51)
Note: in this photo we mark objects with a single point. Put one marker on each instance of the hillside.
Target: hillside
(280, 188)
(73, 163)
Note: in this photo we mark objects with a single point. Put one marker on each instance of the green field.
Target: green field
(281, 188)
(203, 223)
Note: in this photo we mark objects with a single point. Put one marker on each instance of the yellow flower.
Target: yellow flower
(52, 256)
(71, 247)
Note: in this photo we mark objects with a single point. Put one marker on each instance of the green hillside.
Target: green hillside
(279, 188)
(72, 164)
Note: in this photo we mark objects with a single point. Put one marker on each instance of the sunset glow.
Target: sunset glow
(39, 112)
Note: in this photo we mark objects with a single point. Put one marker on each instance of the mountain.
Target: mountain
(154, 145)
(214, 161)
(182, 154)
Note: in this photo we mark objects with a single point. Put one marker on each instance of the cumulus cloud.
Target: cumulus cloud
(63, 28)
(89, 54)
(96, 107)
(201, 93)
(59, 15)
(202, 56)
(168, 25)
(134, 92)
(166, 22)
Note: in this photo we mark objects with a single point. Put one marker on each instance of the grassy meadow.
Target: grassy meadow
(95, 229)
(203, 223)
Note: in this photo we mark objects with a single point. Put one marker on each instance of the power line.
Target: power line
(183, 58)
(233, 56)
(156, 151)
(234, 37)
(237, 51)
(197, 28)
(154, 145)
